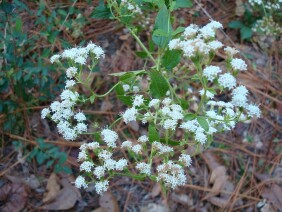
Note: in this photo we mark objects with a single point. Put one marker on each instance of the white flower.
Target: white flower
(99, 52)
(90, 46)
(191, 30)
(214, 45)
(129, 115)
(110, 164)
(71, 72)
(163, 149)
(80, 117)
(138, 100)
(126, 144)
(200, 136)
(144, 168)
(55, 58)
(121, 164)
(102, 186)
(173, 44)
(211, 72)
(238, 64)
(99, 171)
(143, 139)
(167, 101)
(45, 112)
(171, 174)
(93, 145)
(240, 90)
(81, 127)
(253, 110)
(70, 53)
(105, 155)
(70, 83)
(82, 155)
(126, 87)
(239, 100)
(227, 81)
(80, 182)
(109, 137)
(154, 103)
(80, 60)
(135, 89)
(186, 159)
(231, 51)
(137, 148)
(209, 95)
(190, 125)
(86, 166)
(69, 95)
(170, 124)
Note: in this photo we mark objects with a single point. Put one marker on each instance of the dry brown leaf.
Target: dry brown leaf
(65, 199)
(106, 105)
(217, 172)
(53, 187)
(30, 181)
(152, 207)
(156, 190)
(240, 8)
(14, 197)
(99, 210)
(108, 202)
(274, 195)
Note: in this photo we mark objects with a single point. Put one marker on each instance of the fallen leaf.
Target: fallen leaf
(240, 8)
(14, 197)
(106, 105)
(273, 194)
(152, 207)
(156, 190)
(53, 187)
(30, 181)
(65, 198)
(108, 202)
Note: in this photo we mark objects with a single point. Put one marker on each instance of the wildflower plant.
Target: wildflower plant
(164, 107)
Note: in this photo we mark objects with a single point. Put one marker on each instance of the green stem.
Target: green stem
(142, 45)
(109, 91)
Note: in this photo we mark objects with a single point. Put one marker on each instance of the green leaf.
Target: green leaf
(178, 30)
(127, 100)
(153, 133)
(158, 85)
(189, 116)
(203, 122)
(160, 32)
(49, 163)
(183, 4)
(92, 99)
(169, 142)
(101, 12)
(19, 24)
(141, 54)
(163, 24)
(235, 24)
(41, 157)
(246, 33)
(171, 59)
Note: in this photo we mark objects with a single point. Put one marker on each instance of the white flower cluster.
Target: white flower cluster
(70, 123)
(268, 5)
(196, 40)
(131, 6)
(171, 174)
(105, 159)
(62, 113)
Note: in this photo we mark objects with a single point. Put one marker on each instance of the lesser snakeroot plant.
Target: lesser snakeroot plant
(163, 108)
